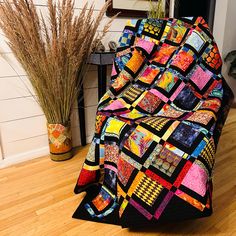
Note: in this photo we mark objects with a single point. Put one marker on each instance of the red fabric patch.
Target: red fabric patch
(182, 174)
(157, 178)
(86, 177)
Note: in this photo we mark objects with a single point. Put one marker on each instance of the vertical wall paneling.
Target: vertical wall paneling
(22, 122)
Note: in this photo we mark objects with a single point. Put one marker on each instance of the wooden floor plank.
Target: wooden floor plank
(37, 198)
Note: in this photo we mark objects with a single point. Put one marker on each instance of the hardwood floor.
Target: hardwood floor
(36, 198)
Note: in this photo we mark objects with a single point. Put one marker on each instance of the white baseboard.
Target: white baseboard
(14, 159)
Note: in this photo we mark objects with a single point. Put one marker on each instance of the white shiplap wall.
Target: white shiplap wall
(23, 133)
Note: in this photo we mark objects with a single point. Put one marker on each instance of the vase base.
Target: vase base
(61, 157)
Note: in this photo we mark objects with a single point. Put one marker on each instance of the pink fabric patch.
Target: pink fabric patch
(141, 209)
(113, 71)
(201, 77)
(114, 105)
(163, 205)
(111, 167)
(196, 179)
(146, 45)
(177, 91)
(158, 94)
(147, 71)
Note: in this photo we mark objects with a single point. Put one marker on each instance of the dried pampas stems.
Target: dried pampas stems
(53, 49)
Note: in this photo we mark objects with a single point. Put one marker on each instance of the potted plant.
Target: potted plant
(231, 57)
(53, 50)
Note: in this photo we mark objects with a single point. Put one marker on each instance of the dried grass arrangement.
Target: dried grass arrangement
(53, 51)
(156, 9)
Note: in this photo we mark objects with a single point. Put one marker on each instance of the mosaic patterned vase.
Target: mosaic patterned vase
(60, 141)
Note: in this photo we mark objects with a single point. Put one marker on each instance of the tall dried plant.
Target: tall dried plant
(53, 50)
(156, 9)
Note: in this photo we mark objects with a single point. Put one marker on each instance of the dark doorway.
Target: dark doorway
(204, 8)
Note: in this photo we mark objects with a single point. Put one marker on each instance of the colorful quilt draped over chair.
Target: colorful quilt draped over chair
(157, 127)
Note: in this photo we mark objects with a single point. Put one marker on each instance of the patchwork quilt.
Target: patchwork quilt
(157, 127)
